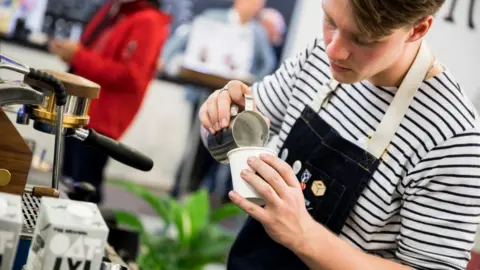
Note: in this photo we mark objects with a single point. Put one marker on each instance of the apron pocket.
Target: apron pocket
(322, 194)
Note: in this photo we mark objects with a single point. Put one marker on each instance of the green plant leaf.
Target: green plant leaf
(159, 204)
(132, 221)
(209, 246)
(198, 209)
(211, 252)
(183, 223)
(225, 211)
(129, 219)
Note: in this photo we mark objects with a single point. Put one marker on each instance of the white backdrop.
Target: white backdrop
(455, 45)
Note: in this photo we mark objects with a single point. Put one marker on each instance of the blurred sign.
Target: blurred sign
(220, 49)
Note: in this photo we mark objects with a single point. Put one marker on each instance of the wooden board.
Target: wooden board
(74, 85)
(15, 156)
(207, 80)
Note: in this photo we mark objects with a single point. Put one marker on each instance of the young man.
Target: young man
(119, 51)
(381, 137)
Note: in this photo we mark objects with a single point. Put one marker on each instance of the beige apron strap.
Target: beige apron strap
(323, 94)
(379, 141)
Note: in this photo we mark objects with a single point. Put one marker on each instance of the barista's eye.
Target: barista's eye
(329, 21)
(362, 42)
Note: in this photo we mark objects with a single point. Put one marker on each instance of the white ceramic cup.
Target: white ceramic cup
(238, 162)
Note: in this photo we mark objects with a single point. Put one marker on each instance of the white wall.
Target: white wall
(306, 25)
(456, 46)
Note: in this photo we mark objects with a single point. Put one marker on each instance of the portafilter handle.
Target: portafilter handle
(115, 149)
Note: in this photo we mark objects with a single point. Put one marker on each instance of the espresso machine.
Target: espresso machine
(57, 103)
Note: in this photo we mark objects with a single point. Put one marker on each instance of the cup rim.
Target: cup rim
(251, 148)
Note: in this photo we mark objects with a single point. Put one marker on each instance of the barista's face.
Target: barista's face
(248, 8)
(353, 57)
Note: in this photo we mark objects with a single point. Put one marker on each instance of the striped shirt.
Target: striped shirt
(422, 206)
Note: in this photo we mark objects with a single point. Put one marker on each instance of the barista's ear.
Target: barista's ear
(420, 29)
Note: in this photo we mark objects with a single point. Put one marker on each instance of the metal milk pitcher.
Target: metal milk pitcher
(247, 128)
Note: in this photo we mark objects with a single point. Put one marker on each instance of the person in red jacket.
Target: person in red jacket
(118, 50)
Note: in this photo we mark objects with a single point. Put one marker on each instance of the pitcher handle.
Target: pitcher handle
(234, 110)
(248, 102)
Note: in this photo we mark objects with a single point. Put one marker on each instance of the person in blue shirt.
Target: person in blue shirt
(243, 12)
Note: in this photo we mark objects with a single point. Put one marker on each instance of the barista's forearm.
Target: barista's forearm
(324, 250)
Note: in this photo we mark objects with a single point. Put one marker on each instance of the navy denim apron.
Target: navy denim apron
(333, 172)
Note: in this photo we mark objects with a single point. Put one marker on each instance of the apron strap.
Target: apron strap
(379, 141)
(381, 138)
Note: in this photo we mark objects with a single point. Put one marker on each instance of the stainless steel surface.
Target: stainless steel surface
(15, 92)
(81, 134)
(76, 105)
(7, 62)
(57, 162)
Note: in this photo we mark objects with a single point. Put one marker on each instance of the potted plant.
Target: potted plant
(191, 238)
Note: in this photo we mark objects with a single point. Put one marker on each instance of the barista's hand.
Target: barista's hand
(215, 112)
(63, 48)
(284, 217)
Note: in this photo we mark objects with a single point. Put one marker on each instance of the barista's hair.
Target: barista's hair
(378, 18)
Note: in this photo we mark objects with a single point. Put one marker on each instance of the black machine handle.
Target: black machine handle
(119, 151)
(59, 89)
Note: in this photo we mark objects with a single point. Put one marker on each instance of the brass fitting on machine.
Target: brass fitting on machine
(80, 92)
(5, 177)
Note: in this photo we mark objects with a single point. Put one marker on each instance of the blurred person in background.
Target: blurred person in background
(243, 12)
(119, 51)
(274, 24)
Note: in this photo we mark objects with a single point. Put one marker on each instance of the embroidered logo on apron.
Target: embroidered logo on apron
(318, 188)
(304, 180)
(307, 204)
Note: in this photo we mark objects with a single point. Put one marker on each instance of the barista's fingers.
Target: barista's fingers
(269, 174)
(212, 109)
(224, 103)
(204, 119)
(237, 89)
(262, 187)
(282, 167)
(250, 208)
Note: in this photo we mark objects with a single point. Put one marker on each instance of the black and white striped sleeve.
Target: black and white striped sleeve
(441, 205)
(273, 93)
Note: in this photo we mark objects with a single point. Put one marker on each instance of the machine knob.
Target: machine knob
(5, 177)
(22, 116)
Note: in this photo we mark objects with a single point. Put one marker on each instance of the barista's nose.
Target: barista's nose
(337, 49)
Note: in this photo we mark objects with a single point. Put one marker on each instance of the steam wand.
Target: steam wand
(61, 99)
